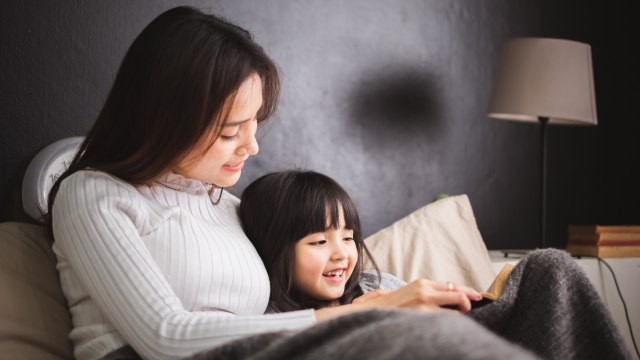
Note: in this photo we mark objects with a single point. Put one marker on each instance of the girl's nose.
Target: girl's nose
(339, 252)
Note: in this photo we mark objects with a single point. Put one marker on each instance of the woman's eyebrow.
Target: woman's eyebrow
(236, 123)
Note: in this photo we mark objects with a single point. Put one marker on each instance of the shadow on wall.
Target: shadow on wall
(398, 101)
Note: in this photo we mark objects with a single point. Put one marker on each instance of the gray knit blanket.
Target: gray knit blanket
(548, 310)
(550, 307)
(377, 335)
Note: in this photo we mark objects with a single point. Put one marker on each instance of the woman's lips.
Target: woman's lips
(233, 167)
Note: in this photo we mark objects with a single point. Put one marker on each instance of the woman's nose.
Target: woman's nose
(250, 146)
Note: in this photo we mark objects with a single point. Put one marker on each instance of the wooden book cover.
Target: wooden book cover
(611, 232)
(604, 242)
(596, 234)
(604, 251)
(595, 237)
(590, 229)
(497, 286)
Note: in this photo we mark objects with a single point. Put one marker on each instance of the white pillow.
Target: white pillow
(439, 241)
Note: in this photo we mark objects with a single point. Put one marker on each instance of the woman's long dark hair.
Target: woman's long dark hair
(169, 92)
(279, 209)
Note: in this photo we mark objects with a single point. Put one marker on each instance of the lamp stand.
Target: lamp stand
(543, 170)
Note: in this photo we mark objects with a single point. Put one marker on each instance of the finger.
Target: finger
(470, 293)
(452, 299)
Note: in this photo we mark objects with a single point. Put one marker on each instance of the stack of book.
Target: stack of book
(604, 240)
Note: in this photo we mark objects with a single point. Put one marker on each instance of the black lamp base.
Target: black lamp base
(543, 181)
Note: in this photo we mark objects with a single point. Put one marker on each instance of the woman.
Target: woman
(152, 258)
(150, 251)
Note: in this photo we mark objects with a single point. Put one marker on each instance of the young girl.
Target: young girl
(307, 232)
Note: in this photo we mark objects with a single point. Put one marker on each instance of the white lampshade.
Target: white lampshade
(541, 77)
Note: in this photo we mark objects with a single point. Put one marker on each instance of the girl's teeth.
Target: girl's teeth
(335, 273)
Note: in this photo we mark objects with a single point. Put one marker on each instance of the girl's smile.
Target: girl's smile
(335, 275)
(324, 262)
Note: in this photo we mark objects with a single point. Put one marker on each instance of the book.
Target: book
(604, 232)
(590, 229)
(604, 251)
(604, 235)
(605, 242)
(495, 289)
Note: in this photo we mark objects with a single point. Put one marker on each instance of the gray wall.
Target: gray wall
(387, 97)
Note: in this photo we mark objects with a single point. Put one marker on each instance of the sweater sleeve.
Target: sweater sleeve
(96, 228)
(369, 280)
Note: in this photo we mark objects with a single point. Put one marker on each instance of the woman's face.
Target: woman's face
(222, 163)
(324, 262)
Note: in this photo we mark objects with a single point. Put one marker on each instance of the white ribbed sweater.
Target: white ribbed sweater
(160, 268)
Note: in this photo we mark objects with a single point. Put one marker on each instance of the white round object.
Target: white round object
(43, 171)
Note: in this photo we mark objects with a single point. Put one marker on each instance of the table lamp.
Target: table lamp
(545, 81)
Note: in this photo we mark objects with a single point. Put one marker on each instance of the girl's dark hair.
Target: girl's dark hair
(279, 209)
(169, 92)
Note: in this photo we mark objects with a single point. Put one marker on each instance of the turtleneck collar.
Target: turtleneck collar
(180, 183)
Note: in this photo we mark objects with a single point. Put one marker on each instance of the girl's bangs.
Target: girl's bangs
(323, 212)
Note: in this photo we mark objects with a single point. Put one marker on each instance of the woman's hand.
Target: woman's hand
(428, 295)
(425, 295)
(370, 295)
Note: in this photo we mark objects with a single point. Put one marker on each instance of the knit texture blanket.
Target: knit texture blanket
(548, 310)
(549, 306)
(379, 335)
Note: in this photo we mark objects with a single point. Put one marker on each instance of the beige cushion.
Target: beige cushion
(439, 241)
(34, 318)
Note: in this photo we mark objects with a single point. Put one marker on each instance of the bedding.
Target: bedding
(549, 310)
(439, 241)
(377, 335)
(34, 318)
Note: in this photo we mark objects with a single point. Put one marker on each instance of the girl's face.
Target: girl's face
(222, 163)
(324, 262)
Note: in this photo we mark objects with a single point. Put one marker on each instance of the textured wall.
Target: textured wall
(387, 97)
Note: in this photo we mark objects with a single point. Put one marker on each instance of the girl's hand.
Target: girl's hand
(424, 295)
(370, 295)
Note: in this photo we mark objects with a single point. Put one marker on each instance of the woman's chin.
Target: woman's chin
(227, 181)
